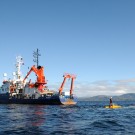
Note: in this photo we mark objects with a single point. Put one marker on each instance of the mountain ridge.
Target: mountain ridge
(123, 97)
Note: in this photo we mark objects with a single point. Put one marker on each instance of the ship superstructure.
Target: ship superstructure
(15, 85)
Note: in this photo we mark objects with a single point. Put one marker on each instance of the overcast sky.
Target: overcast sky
(93, 39)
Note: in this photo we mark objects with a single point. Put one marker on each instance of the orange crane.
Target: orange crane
(72, 81)
(39, 71)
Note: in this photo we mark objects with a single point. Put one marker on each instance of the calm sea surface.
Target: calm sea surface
(85, 118)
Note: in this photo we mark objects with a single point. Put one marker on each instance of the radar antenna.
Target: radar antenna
(36, 57)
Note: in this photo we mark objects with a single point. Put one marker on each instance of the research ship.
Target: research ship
(20, 91)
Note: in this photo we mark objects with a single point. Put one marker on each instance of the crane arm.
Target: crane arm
(72, 81)
(39, 72)
(62, 85)
(27, 75)
(72, 84)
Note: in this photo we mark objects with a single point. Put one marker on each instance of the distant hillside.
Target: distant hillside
(124, 97)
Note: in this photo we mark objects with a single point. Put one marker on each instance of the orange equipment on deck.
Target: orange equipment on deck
(72, 81)
(39, 71)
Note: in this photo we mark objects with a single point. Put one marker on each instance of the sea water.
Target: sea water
(84, 118)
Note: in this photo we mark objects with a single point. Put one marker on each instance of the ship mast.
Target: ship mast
(36, 57)
(19, 62)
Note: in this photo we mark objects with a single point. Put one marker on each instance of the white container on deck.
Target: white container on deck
(66, 93)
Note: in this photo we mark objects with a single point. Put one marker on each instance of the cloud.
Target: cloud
(120, 91)
(103, 87)
(116, 87)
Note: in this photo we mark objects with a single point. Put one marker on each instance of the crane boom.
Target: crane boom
(39, 71)
(72, 82)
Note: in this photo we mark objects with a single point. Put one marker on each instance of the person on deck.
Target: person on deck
(110, 102)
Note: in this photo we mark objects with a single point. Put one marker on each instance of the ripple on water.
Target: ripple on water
(85, 118)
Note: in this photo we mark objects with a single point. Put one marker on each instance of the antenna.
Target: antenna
(19, 63)
(36, 57)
